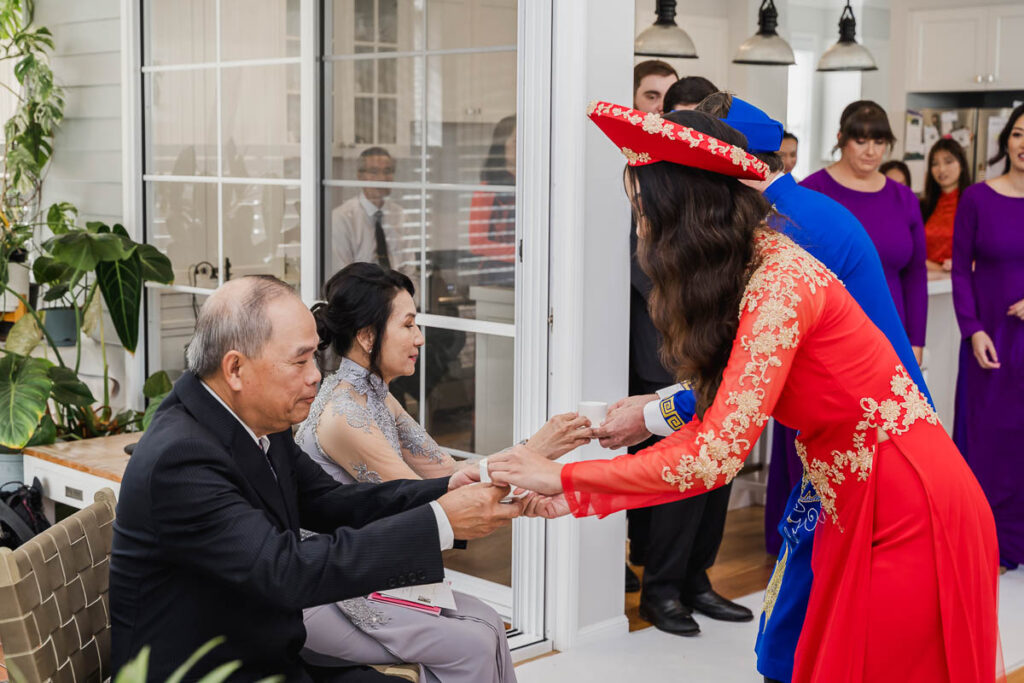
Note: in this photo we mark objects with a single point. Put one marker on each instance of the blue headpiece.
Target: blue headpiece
(764, 134)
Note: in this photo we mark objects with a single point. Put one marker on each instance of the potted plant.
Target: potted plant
(77, 268)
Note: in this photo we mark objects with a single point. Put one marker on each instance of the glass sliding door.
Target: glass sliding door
(269, 128)
(420, 125)
(221, 135)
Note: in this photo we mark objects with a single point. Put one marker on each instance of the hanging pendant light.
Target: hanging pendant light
(663, 38)
(847, 54)
(766, 46)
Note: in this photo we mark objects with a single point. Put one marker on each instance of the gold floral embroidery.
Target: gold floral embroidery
(656, 125)
(772, 295)
(893, 416)
(898, 416)
(771, 594)
(635, 158)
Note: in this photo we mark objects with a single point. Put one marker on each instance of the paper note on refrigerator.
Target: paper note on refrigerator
(913, 145)
(962, 136)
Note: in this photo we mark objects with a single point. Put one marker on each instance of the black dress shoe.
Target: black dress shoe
(669, 616)
(632, 581)
(710, 603)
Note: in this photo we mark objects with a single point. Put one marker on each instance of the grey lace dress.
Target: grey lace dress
(377, 441)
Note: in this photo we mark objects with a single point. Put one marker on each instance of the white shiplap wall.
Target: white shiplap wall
(86, 166)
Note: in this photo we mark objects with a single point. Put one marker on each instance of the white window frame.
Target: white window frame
(530, 330)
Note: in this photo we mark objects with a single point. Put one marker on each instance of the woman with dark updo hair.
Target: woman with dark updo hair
(357, 432)
(905, 557)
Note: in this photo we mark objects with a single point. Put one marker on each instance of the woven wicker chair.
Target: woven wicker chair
(54, 610)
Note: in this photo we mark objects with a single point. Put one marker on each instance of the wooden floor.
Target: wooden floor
(743, 567)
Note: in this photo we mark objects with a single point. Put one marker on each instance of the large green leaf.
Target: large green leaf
(49, 271)
(154, 405)
(156, 267)
(68, 389)
(61, 217)
(157, 384)
(24, 389)
(82, 250)
(46, 432)
(121, 285)
(24, 336)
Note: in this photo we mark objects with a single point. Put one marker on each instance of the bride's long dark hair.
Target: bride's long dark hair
(697, 245)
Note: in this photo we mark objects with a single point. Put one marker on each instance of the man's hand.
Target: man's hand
(469, 473)
(547, 507)
(624, 426)
(561, 434)
(474, 510)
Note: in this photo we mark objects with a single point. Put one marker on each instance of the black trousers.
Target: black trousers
(678, 541)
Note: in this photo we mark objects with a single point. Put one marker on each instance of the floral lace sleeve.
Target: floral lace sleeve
(350, 436)
(419, 450)
(782, 302)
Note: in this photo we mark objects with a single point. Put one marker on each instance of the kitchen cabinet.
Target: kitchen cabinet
(954, 50)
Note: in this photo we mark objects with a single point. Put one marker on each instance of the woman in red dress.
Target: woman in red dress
(906, 563)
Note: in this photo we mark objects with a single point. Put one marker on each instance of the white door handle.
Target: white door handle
(990, 78)
(978, 78)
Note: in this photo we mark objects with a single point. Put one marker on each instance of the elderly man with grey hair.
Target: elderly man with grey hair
(206, 540)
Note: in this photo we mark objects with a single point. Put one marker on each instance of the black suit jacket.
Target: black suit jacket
(646, 373)
(206, 542)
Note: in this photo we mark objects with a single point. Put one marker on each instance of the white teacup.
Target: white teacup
(595, 411)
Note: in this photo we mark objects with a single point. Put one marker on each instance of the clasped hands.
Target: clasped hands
(478, 509)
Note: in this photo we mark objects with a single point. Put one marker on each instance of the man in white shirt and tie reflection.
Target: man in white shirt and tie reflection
(370, 227)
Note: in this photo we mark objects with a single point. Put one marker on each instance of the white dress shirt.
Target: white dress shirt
(444, 528)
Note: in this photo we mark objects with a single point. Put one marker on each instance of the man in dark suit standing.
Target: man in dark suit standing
(206, 540)
(680, 539)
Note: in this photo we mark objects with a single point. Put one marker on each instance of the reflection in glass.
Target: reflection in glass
(181, 221)
(356, 213)
(181, 127)
(259, 29)
(173, 314)
(260, 133)
(261, 231)
(471, 23)
(358, 115)
(469, 389)
(374, 25)
(470, 276)
(179, 32)
(467, 96)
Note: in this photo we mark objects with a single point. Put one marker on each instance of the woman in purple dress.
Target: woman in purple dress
(988, 294)
(888, 210)
(891, 215)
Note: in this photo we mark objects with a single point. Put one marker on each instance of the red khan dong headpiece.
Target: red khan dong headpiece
(646, 138)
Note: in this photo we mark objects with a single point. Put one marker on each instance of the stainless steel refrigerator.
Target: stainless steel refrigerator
(976, 129)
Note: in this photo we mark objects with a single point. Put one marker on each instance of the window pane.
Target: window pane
(259, 29)
(470, 23)
(357, 122)
(172, 324)
(351, 233)
(364, 28)
(261, 136)
(179, 31)
(384, 24)
(470, 245)
(181, 133)
(469, 389)
(471, 103)
(261, 231)
(181, 221)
